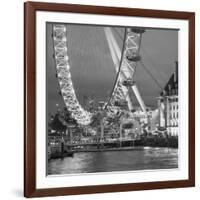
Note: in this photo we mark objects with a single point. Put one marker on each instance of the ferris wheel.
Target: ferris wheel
(125, 64)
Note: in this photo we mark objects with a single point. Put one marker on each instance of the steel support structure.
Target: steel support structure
(132, 47)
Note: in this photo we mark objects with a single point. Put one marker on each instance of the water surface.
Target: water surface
(108, 161)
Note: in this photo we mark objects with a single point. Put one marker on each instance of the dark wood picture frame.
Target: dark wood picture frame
(30, 9)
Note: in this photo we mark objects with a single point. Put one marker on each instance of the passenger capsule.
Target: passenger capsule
(128, 83)
(137, 30)
(134, 57)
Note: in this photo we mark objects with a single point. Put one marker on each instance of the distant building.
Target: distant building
(168, 105)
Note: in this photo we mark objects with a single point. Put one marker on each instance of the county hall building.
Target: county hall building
(168, 106)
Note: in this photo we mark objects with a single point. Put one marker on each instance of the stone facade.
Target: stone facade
(168, 103)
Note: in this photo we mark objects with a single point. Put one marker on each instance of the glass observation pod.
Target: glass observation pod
(60, 38)
(133, 57)
(62, 57)
(60, 48)
(137, 30)
(59, 28)
(128, 82)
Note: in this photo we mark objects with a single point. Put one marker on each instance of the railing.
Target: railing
(100, 141)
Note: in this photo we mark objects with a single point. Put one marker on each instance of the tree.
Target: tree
(56, 123)
(61, 119)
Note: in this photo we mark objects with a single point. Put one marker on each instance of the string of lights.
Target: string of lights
(63, 74)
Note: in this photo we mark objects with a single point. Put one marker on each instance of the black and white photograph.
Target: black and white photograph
(112, 100)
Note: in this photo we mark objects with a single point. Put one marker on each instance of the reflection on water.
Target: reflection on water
(137, 159)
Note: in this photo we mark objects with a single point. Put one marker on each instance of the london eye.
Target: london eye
(125, 62)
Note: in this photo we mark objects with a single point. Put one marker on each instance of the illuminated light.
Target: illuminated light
(68, 67)
(66, 58)
(64, 29)
(54, 28)
(64, 39)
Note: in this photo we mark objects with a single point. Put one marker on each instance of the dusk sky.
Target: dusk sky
(92, 68)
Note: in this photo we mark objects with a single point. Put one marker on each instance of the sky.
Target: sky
(92, 68)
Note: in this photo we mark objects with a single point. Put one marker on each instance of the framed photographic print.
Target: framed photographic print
(109, 99)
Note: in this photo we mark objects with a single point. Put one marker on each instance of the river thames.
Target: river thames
(147, 158)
